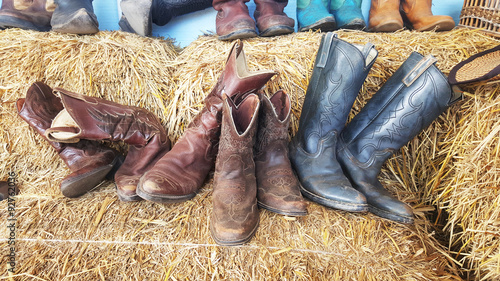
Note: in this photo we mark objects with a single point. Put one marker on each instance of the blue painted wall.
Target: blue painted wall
(187, 28)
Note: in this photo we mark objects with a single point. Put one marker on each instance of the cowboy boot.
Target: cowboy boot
(348, 14)
(90, 162)
(35, 17)
(235, 215)
(91, 118)
(136, 16)
(339, 72)
(314, 15)
(385, 16)
(74, 16)
(271, 20)
(408, 102)
(278, 188)
(164, 10)
(181, 172)
(418, 15)
(233, 20)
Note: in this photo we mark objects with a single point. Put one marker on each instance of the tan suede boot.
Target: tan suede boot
(418, 15)
(385, 16)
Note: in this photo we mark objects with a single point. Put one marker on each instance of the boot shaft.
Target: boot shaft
(409, 101)
(339, 72)
(164, 10)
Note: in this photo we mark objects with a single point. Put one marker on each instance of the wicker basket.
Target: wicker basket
(483, 14)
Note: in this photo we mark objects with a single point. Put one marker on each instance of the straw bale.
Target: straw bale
(99, 237)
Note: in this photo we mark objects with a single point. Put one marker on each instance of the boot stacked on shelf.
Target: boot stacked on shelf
(392, 15)
(338, 164)
(65, 16)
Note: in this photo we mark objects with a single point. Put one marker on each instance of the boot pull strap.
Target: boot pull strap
(324, 52)
(419, 69)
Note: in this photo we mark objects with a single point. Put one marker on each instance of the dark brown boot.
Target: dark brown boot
(75, 17)
(271, 20)
(278, 187)
(181, 172)
(91, 118)
(35, 17)
(235, 216)
(233, 20)
(89, 161)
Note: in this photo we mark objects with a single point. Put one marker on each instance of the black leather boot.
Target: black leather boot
(339, 72)
(409, 101)
(74, 16)
(164, 10)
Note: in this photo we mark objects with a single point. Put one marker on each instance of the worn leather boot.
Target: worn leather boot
(89, 161)
(165, 10)
(418, 15)
(8, 189)
(278, 188)
(74, 16)
(314, 15)
(348, 14)
(339, 72)
(91, 118)
(385, 16)
(408, 102)
(181, 172)
(235, 215)
(35, 17)
(233, 20)
(271, 20)
(136, 16)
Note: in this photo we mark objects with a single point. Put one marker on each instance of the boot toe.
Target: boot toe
(437, 23)
(232, 235)
(126, 187)
(80, 22)
(291, 205)
(159, 188)
(391, 208)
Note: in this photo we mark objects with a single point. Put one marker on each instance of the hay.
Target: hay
(99, 237)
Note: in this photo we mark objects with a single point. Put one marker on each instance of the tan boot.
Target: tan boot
(235, 216)
(278, 187)
(418, 14)
(385, 16)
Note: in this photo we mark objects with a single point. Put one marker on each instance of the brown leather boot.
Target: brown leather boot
(418, 15)
(35, 17)
(385, 16)
(271, 20)
(235, 216)
(90, 162)
(91, 118)
(278, 187)
(233, 20)
(181, 172)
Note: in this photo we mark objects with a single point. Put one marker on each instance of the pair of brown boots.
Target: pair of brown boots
(392, 15)
(75, 125)
(233, 20)
(65, 16)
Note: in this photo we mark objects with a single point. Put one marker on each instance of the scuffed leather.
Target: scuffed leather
(337, 78)
(235, 215)
(233, 18)
(182, 171)
(270, 14)
(100, 119)
(278, 187)
(75, 17)
(419, 15)
(35, 17)
(85, 159)
(391, 118)
(384, 16)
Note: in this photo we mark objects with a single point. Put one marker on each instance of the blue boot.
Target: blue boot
(314, 15)
(348, 14)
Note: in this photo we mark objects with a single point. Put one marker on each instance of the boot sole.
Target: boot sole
(86, 182)
(7, 21)
(277, 30)
(324, 25)
(127, 198)
(240, 34)
(356, 24)
(163, 199)
(389, 26)
(281, 212)
(334, 204)
(234, 242)
(390, 216)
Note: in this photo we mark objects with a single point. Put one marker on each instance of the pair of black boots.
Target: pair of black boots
(338, 164)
